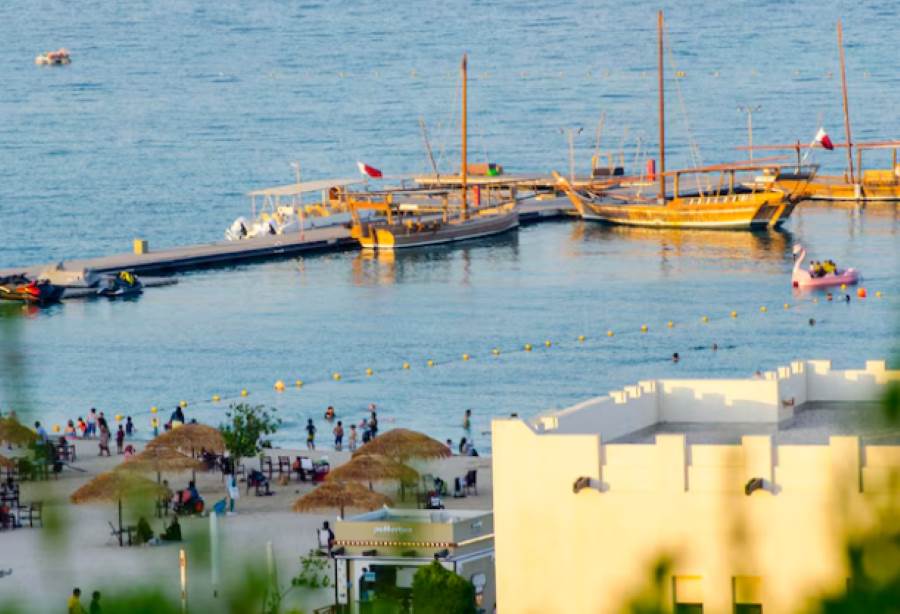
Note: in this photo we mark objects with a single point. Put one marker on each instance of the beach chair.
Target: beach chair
(265, 462)
(284, 464)
(32, 513)
(472, 481)
(307, 469)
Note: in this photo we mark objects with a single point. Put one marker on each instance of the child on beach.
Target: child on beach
(92, 423)
(129, 427)
(310, 435)
(82, 427)
(339, 436)
(120, 439)
(352, 442)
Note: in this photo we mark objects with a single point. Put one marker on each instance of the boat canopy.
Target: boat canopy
(305, 187)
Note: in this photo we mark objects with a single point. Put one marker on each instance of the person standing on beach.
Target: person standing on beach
(104, 440)
(101, 421)
(352, 442)
(467, 420)
(373, 424)
(120, 439)
(310, 435)
(74, 603)
(129, 427)
(92, 424)
(339, 436)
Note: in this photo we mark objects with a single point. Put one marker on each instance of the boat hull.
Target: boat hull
(802, 279)
(398, 236)
(739, 211)
(836, 189)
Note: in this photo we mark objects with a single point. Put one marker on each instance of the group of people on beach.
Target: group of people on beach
(95, 426)
(367, 426)
(74, 604)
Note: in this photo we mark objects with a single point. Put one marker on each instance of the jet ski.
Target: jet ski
(124, 284)
(20, 288)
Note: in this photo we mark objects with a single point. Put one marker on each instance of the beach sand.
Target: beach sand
(76, 547)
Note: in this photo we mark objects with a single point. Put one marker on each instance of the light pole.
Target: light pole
(750, 111)
(570, 135)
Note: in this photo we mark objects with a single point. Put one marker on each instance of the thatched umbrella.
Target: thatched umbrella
(333, 494)
(15, 432)
(403, 444)
(373, 467)
(161, 459)
(115, 486)
(191, 437)
(7, 462)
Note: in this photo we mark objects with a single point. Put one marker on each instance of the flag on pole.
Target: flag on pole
(370, 171)
(823, 139)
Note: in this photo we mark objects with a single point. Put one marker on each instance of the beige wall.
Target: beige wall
(558, 551)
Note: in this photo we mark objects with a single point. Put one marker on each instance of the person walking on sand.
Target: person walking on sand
(339, 436)
(92, 424)
(351, 444)
(104, 440)
(310, 435)
(74, 603)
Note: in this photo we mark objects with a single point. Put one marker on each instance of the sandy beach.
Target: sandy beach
(76, 548)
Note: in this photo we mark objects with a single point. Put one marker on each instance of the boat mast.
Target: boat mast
(840, 36)
(464, 168)
(662, 116)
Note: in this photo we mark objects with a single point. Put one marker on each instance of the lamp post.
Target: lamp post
(570, 136)
(750, 111)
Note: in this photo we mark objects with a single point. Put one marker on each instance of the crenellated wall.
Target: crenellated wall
(771, 398)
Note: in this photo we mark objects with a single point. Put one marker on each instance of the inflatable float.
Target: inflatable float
(801, 278)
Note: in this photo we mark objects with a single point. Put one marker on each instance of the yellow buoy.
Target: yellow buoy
(670, 324)
(369, 372)
(734, 314)
(183, 404)
(704, 319)
(548, 343)
(244, 392)
(299, 383)
(406, 365)
(763, 309)
(118, 417)
(336, 376)
(465, 357)
(644, 328)
(430, 363)
(878, 294)
(56, 428)
(279, 386)
(527, 347)
(216, 398)
(581, 338)
(843, 286)
(495, 351)
(787, 306)
(153, 409)
(609, 333)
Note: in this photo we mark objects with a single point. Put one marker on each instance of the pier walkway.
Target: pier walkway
(221, 253)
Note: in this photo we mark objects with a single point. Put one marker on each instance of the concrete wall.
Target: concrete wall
(561, 551)
(770, 398)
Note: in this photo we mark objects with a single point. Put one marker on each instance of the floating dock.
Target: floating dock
(223, 253)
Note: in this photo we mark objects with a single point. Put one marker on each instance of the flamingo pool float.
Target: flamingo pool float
(801, 278)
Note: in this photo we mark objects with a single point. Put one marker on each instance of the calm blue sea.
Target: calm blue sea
(171, 111)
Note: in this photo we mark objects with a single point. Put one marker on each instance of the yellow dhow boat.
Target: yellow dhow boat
(432, 220)
(727, 204)
(856, 184)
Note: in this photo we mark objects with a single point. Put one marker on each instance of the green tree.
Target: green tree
(436, 590)
(246, 428)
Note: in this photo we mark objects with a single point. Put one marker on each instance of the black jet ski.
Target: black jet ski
(20, 288)
(124, 284)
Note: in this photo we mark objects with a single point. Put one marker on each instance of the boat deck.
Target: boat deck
(223, 253)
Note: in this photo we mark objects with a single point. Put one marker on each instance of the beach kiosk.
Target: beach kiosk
(378, 553)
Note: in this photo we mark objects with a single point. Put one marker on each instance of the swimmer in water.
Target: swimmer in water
(812, 321)
(675, 357)
(715, 346)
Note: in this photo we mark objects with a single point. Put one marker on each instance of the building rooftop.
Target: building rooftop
(812, 423)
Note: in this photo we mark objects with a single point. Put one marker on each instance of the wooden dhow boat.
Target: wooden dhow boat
(727, 203)
(856, 184)
(434, 221)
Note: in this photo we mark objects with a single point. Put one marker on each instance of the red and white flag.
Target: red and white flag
(823, 139)
(371, 171)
